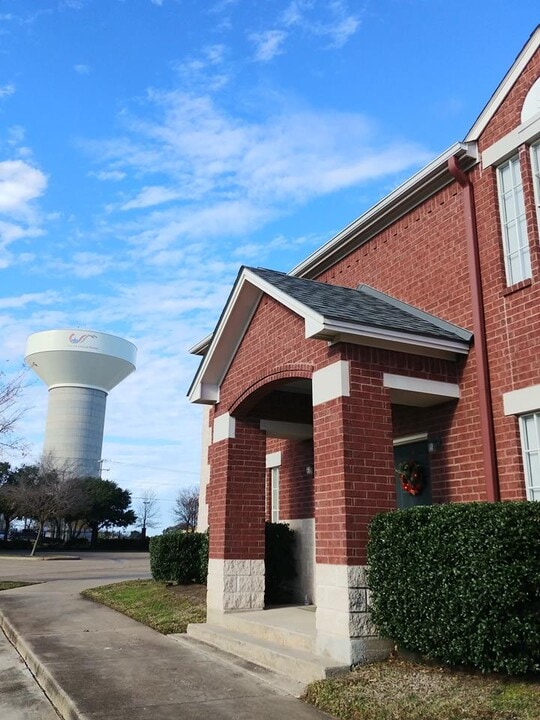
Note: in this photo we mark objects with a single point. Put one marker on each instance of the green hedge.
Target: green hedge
(460, 583)
(180, 557)
(183, 558)
(279, 563)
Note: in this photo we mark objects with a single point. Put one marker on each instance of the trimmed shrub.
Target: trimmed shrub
(179, 557)
(460, 583)
(279, 563)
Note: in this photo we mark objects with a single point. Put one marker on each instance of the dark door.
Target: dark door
(418, 452)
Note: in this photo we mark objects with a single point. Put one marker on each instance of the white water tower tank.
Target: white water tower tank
(79, 367)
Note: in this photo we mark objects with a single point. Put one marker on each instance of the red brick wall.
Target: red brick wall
(236, 494)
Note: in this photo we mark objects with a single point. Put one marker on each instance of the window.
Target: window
(514, 226)
(274, 483)
(535, 160)
(530, 443)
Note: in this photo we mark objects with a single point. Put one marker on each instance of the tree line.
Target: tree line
(49, 497)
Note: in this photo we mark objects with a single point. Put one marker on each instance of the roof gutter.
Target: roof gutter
(487, 431)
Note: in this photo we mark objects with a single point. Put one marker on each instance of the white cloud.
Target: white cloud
(150, 196)
(268, 44)
(16, 134)
(294, 13)
(82, 69)
(73, 4)
(9, 232)
(340, 31)
(84, 265)
(228, 175)
(19, 184)
(44, 298)
(208, 70)
(7, 90)
(114, 175)
(332, 20)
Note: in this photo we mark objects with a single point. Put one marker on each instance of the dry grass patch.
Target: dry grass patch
(402, 690)
(165, 608)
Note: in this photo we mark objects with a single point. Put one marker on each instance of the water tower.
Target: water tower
(79, 367)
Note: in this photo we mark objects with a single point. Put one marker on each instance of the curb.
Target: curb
(33, 558)
(62, 703)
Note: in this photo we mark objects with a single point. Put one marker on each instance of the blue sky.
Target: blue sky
(148, 148)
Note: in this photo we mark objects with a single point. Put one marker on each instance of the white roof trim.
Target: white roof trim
(504, 87)
(337, 330)
(201, 347)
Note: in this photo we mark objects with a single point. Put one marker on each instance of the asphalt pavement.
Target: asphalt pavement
(93, 663)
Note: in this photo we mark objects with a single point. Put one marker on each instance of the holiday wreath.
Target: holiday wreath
(411, 476)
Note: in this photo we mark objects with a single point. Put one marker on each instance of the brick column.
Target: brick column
(354, 480)
(236, 516)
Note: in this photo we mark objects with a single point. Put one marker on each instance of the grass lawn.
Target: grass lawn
(402, 690)
(10, 584)
(165, 608)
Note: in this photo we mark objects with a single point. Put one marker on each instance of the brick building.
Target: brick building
(412, 334)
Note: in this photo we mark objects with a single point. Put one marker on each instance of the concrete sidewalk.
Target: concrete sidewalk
(96, 664)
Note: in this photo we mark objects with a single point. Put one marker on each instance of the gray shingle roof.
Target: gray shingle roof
(363, 306)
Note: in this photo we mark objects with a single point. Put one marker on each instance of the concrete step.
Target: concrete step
(299, 665)
(280, 683)
(289, 628)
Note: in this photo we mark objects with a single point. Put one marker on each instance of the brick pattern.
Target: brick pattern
(236, 494)
(354, 468)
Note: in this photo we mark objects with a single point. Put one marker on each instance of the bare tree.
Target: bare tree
(147, 511)
(46, 494)
(11, 410)
(7, 480)
(186, 508)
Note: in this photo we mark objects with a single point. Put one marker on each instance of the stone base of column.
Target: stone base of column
(235, 585)
(344, 629)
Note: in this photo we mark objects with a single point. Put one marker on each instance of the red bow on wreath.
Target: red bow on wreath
(411, 475)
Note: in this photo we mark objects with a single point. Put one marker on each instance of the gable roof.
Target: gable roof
(363, 306)
(504, 87)
(333, 313)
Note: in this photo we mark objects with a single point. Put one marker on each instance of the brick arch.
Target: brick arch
(264, 383)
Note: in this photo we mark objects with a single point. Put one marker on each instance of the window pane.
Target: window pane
(535, 494)
(534, 469)
(274, 473)
(535, 155)
(514, 269)
(513, 222)
(529, 429)
(529, 426)
(505, 177)
(512, 234)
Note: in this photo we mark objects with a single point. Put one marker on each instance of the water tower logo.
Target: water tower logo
(74, 340)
